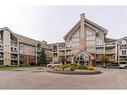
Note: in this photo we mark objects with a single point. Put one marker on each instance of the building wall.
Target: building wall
(122, 51)
(7, 47)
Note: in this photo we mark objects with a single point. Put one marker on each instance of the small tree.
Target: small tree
(104, 59)
(42, 57)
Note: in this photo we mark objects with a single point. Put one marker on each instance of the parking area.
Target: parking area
(38, 78)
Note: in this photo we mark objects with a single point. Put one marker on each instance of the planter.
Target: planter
(77, 72)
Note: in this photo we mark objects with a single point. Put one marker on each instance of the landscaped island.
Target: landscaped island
(74, 69)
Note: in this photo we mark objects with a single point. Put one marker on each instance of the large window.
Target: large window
(21, 48)
(75, 38)
(75, 41)
(90, 38)
(99, 41)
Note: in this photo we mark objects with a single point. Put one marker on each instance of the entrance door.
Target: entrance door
(83, 63)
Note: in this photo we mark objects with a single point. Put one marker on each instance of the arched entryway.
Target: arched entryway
(83, 58)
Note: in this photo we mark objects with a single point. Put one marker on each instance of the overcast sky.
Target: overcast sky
(51, 23)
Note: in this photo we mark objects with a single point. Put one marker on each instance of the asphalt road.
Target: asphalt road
(38, 78)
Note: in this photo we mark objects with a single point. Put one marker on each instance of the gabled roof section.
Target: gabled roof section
(26, 40)
(6, 28)
(83, 51)
(22, 39)
(61, 44)
(96, 25)
(120, 40)
(86, 21)
(75, 26)
(110, 39)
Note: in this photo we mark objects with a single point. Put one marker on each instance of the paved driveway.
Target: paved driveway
(38, 78)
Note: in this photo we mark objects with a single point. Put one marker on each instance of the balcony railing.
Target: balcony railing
(123, 59)
(1, 42)
(99, 51)
(111, 59)
(1, 56)
(68, 53)
(68, 48)
(14, 51)
(12, 57)
(1, 49)
(109, 51)
(14, 44)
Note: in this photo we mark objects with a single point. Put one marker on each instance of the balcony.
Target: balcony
(1, 42)
(14, 50)
(110, 51)
(122, 60)
(68, 48)
(1, 49)
(61, 48)
(68, 53)
(1, 56)
(14, 57)
(100, 51)
(111, 59)
(13, 44)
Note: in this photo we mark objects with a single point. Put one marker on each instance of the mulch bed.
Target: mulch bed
(77, 72)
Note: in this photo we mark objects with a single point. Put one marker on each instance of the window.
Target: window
(99, 41)
(90, 39)
(123, 46)
(1, 62)
(21, 48)
(124, 52)
(75, 40)
(15, 49)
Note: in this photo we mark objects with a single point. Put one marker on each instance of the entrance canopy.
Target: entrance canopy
(83, 58)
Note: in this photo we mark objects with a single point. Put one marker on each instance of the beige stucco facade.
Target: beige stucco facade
(90, 38)
(16, 49)
(7, 47)
(86, 41)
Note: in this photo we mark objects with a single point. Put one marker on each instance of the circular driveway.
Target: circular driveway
(38, 78)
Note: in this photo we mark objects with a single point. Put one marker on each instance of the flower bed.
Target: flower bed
(77, 72)
(74, 69)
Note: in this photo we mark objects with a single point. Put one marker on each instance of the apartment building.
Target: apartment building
(86, 41)
(16, 49)
(122, 50)
(83, 44)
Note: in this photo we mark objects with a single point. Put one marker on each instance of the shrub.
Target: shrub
(72, 68)
(82, 67)
(89, 67)
(72, 65)
(62, 67)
